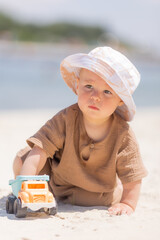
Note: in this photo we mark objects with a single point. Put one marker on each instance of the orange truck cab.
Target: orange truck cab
(35, 195)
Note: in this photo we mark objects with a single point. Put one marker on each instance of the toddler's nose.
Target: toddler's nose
(95, 96)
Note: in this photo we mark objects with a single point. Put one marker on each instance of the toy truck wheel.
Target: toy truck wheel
(52, 211)
(18, 210)
(10, 204)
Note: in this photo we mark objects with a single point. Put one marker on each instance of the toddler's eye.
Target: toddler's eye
(88, 86)
(107, 92)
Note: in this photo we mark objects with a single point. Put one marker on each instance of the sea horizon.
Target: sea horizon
(30, 77)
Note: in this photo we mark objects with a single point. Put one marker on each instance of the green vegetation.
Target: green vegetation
(58, 32)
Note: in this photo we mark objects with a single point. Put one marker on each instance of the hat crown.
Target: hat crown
(120, 64)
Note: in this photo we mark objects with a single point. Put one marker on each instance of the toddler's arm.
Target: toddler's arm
(129, 199)
(34, 162)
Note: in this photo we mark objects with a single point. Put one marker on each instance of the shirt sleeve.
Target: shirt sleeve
(51, 136)
(129, 166)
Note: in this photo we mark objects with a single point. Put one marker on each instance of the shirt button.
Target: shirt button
(92, 145)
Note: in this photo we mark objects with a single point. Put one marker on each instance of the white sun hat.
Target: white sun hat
(113, 67)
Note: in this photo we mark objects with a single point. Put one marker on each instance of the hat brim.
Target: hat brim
(70, 69)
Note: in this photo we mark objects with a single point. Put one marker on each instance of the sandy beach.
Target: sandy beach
(74, 222)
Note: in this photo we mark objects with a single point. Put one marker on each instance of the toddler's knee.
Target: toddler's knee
(17, 165)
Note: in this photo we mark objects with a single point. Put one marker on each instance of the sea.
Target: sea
(30, 78)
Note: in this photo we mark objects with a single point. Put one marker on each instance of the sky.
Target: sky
(134, 20)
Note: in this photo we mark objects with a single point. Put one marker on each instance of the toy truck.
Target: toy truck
(30, 192)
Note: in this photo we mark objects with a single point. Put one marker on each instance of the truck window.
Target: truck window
(36, 186)
(22, 187)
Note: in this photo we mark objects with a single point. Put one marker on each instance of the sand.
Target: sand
(74, 222)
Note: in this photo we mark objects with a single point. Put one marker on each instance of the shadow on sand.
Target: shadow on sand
(62, 207)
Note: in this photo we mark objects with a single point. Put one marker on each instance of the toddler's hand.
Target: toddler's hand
(119, 209)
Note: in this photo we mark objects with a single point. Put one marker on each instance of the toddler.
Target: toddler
(89, 149)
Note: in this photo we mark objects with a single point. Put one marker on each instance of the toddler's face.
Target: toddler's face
(96, 99)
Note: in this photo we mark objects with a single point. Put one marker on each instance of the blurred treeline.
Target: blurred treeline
(11, 29)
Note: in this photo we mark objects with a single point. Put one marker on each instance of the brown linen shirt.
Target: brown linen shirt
(85, 172)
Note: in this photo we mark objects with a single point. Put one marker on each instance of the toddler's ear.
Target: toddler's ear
(120, 103)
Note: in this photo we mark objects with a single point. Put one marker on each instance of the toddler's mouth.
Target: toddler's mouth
(93, 107)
